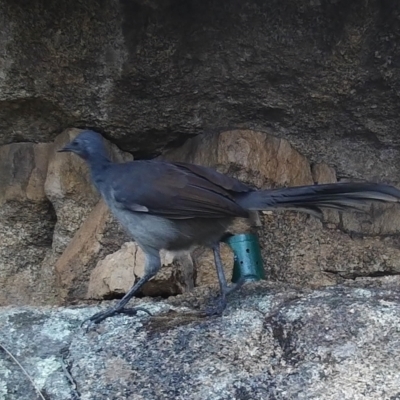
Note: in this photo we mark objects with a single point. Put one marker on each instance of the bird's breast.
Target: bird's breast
(163, 233)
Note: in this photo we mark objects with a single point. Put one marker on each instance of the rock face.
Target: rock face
(285, 93)
(68, 188)
(61, 244)
(273, 342)
(44, 197)
(117, 273)
(253, 157)
(149, 74)
(321, 73)
(55, 230)
(297, 248)
(27, 220)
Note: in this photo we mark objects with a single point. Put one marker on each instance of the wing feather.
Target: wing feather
(173, 191)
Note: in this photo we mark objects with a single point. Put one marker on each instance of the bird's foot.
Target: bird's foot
(219, 303)
(235, 286)
(111, 312)
(217, 307)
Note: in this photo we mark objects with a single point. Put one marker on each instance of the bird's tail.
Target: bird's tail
(311, 199)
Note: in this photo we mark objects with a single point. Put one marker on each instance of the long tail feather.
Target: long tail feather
(311, 199)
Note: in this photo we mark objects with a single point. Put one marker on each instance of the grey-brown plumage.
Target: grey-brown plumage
(175, 206)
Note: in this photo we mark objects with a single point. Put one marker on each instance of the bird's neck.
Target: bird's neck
(98, 165)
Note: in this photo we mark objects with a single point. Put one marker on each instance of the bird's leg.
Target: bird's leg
(152, 266)
(225, 289)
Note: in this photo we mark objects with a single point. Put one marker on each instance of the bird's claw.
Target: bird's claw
(219, 304)
(235, 286)
(133, 311)
(217, 308)
(111, 312)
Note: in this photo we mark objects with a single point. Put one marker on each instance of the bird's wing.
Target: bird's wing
(174, 191)
(224, 181)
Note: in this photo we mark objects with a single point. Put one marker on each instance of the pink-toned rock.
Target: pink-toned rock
(206, 271)
(116, 274)
(292, 243)
(23, 169)
(84, 223)
(26, 223)
(69, 188)
(55, 233)
(80, 256)
(254, 157)
(323, 173)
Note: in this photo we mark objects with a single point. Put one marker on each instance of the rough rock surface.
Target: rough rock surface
(115, 274)
(297, 248)
(273, 342)
(206, 274)
(27, 220)
(85, 229)
(68, 187)
(321, 73)
(256, 158)
(81, 232)
(44, 197)
(79, 257)
(149, 73)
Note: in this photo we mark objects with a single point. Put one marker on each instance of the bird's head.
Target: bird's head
(86, 145)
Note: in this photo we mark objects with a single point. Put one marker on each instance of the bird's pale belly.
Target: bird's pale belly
(180, 234)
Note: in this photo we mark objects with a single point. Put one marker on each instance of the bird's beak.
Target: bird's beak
(65, 149)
